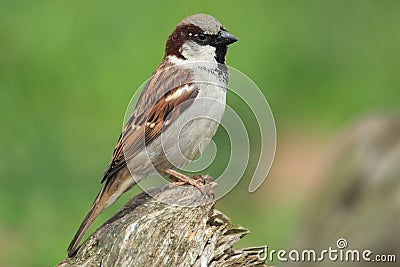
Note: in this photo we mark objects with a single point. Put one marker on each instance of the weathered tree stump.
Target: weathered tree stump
(149, 232)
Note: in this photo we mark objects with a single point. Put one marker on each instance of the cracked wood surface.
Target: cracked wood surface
(149, 232)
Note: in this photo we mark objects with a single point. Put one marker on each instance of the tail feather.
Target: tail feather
(109, 193)
(99, 204)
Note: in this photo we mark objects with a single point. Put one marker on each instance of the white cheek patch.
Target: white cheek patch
(195, 52)
(208, 51)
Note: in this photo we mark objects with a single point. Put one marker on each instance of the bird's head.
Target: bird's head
(199, 37)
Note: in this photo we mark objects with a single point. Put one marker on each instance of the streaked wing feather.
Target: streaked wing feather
(144, 126)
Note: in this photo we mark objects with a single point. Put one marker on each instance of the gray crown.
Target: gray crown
(207, 23)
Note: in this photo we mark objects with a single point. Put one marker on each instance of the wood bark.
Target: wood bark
(149, 232)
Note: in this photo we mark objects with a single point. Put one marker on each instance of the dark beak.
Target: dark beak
(224, 38)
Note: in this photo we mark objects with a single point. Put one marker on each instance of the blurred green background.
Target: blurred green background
(69, 69)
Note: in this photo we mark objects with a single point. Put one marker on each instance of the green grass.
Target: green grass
(68, 70)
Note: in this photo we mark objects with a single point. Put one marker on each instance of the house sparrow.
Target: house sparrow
(180, 107)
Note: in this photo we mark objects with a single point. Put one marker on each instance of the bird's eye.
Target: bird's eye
(201, 38)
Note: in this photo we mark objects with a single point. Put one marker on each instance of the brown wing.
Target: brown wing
(156, 104)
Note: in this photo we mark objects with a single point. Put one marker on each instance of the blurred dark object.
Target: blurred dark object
(149, 232)
(359, 199)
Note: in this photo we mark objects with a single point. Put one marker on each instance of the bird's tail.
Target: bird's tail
(104, 199)
(112, 189)
(97, 207)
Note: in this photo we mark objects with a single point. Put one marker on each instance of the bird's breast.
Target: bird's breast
(192, 131)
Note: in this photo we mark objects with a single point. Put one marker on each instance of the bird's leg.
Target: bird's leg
(197, 181)
(202, 178)
(181, 179)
